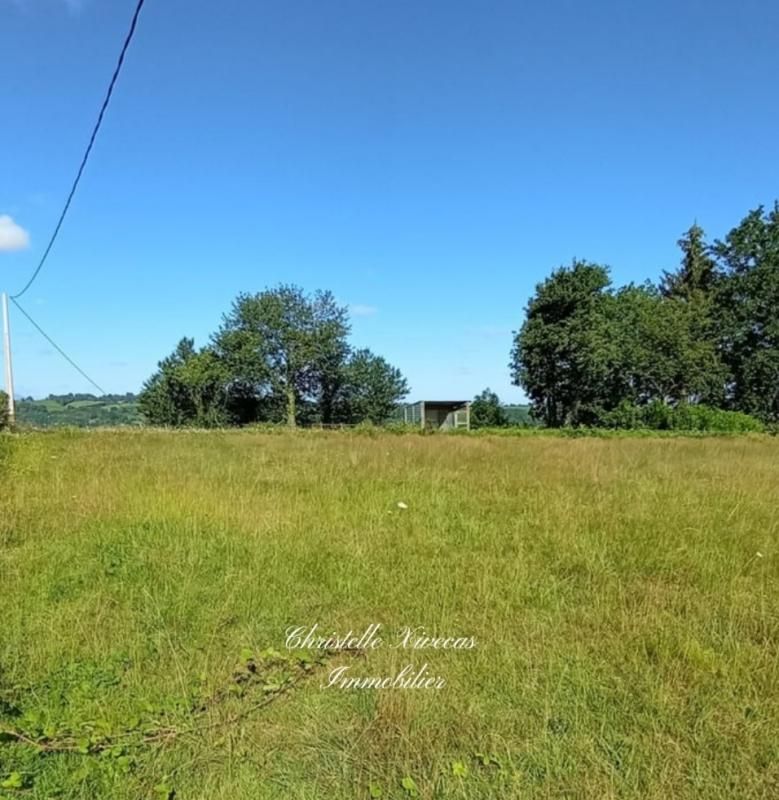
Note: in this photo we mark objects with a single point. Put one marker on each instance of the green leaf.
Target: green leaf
(270, 654)
(459, 769)
(124, 763)
(13, 781)
(165, 791)
(116, 751)
(409, 786)
(375, 790)
(247, 654)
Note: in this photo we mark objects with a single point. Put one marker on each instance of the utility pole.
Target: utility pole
(9, 372)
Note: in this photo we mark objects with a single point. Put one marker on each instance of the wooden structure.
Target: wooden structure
(438, 414)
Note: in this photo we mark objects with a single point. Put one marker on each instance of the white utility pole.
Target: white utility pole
(9, 372)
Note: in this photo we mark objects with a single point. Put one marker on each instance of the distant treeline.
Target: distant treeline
(67, 399)
(79, 410)
(697, 350)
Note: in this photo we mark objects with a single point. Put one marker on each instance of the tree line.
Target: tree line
(280, 355)
(703, 339)
(81, 397)
(697, 348)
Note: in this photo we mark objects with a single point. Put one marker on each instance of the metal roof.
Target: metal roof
(440, 402)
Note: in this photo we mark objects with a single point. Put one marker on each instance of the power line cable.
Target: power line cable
(84, 160)
(57, 347)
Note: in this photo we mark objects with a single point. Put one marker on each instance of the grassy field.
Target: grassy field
(622, 594)
(62, 411)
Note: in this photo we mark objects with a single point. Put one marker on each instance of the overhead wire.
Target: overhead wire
(85, 157)
(57, 347)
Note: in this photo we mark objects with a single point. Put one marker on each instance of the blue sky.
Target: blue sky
(428, 161)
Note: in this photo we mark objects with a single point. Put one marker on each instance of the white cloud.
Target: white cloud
(12, 236)
(359, 310)
(73, 6)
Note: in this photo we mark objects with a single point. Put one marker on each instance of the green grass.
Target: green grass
(627, 629)
(52, 406)
(84, 403)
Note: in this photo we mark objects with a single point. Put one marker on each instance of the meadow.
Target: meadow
(621, 596)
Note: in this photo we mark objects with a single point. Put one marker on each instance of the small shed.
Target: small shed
(438, 414)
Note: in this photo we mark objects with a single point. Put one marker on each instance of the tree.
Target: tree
(563, 355)
(748, 313)
(206, 381)
(163, 400)
(584, 349)
(279, 355)
(370, 389)
(696, 277)
(487, 412)
(189, 388)
(663, 351)
(333, 354)
(707, 335)
(3, 410)
(284, 348)
(692, 294)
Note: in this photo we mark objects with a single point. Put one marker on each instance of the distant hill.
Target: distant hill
(79, 410)
(518, 415)
(90, 411)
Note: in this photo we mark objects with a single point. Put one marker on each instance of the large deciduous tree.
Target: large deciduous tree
(663, 352)
(286, 347)
(562, 355)
(279, 355)
(748, 312)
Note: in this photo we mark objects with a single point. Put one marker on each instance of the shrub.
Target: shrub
(660, 416)
(3, 410)
(714, 420)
